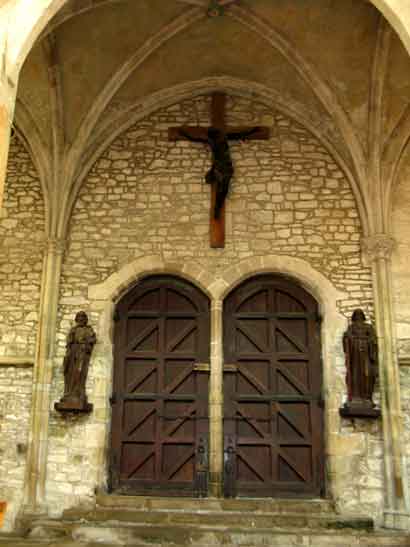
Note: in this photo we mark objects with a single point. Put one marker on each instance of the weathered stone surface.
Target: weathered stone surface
(15, 403)
(21, 254)
(146, 197)
(172, 522)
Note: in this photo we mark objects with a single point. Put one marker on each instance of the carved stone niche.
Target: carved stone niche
(360, 347)
(80, 343)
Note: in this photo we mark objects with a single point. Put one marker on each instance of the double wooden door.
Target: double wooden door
(273, 419)
(160, 396)
(272, 424)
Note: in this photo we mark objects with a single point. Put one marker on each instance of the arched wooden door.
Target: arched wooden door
(273, 420)
(160, 396)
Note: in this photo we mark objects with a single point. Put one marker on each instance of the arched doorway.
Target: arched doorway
(159, 437)
(273, 412)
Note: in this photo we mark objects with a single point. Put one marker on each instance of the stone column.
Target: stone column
(7, 102)
(397, 508)
(216, 403)
(38, 439)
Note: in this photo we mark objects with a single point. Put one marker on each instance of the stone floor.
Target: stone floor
(276, 540)
(166, 522)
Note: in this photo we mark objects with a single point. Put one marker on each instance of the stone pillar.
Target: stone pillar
(38, 439)
(397, 508)
(216, 403)
(7, 102)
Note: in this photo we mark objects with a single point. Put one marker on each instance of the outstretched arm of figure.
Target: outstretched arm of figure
(192, 138)
(241, 135)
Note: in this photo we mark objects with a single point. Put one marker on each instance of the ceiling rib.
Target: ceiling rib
(75, 9)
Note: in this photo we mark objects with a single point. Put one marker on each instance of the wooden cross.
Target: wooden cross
(201, 134)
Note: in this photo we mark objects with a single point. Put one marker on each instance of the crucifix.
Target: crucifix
(217, 137)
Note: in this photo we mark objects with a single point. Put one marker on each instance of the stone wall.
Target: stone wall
(21, 254)
(15, 405)
(21, 249)
(147, 196)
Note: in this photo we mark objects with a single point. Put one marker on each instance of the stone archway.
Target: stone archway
(104, 296)
(52, 5)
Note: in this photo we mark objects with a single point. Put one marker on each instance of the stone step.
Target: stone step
(217, 519)
(262, 505)
(178, 535)
(141, 521)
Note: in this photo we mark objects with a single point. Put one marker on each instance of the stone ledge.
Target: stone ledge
(18, 362)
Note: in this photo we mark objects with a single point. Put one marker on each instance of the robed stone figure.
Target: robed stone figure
(80, 343)
(360, 348)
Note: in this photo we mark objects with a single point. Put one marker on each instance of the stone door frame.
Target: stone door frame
(104, 297)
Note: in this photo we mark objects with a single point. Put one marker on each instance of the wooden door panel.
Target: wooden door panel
(292, 377)
(273, 416)
(160, 400)
(141, 376)
(287, 302)
(253, 377)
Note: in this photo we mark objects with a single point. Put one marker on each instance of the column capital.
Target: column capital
(56, 246)
(378, 247)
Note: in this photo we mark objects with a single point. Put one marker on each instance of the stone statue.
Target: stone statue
(80, 342)
(221, 171)
(360, 347)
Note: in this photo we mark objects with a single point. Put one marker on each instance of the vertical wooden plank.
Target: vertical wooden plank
(217, 225)
(218, 111)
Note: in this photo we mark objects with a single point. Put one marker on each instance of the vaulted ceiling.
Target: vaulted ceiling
(335, 65)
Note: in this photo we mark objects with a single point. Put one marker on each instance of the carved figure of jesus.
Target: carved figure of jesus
(217, 137)
(222, 170)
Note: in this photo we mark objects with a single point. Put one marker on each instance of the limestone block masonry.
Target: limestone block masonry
(147, 196)
(21, 254)
(21, 258)
(15, 406)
